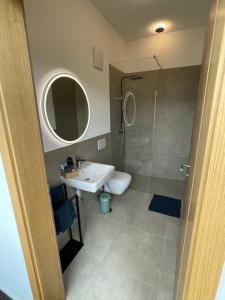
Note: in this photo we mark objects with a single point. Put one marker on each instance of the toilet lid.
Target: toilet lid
(121, 176)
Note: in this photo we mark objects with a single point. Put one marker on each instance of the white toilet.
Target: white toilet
(118, 183)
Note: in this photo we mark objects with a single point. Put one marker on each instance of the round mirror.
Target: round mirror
(66, 108)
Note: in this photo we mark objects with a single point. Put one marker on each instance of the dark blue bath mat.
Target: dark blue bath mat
(165, 205)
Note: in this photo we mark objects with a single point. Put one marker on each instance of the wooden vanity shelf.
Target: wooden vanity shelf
(72, 174)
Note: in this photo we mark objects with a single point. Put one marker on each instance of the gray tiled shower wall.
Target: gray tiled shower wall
(159, 157)
(159, 141)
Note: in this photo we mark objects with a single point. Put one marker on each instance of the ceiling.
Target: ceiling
(135, 19)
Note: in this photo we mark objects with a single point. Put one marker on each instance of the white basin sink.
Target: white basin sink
(92, 176)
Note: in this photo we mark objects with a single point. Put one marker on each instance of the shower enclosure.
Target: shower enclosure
(158, 142)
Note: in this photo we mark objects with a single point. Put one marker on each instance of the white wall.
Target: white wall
(13, 273)
(175, 49)
(61, 35)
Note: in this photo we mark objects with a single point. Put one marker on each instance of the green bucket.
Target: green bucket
(105, 202)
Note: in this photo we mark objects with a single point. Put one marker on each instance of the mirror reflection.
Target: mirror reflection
(67, 108)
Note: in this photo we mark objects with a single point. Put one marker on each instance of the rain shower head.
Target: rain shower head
(133, 77)
(130, 77)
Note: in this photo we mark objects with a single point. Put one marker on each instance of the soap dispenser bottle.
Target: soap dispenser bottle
(69, 164)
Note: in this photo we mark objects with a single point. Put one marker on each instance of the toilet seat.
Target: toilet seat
(118, 183)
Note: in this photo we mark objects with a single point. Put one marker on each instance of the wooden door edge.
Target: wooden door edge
(19, 143)
(201, 207)
(179, 267)
(18, 210)
(216, 123)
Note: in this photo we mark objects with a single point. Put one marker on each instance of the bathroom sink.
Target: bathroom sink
(92, 176)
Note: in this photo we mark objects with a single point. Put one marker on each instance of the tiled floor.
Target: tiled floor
(128, 254)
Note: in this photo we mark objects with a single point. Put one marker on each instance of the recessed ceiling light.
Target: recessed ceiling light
(160, 27)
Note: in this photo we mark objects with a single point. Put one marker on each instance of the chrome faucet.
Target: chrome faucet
(78, 160)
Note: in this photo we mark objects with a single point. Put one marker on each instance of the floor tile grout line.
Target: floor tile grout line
(164, 244)
(116, 269)
(128, 275)
(122, 225)
(134, 226)
(102, 262)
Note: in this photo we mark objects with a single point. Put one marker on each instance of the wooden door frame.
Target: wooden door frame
(22, 154)
(205, 250)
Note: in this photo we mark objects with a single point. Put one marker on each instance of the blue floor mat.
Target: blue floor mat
(165, 205)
